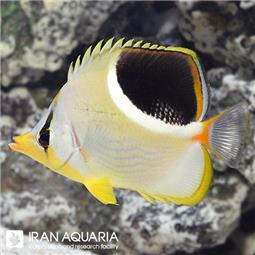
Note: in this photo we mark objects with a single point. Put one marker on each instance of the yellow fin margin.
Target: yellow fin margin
(184, 50)
(147, 197)
(200, 193)
(196, 197)
(196, 74)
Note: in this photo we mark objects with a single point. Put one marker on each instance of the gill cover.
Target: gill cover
(37, 144)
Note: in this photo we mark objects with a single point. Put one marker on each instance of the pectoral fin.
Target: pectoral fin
(102, 190)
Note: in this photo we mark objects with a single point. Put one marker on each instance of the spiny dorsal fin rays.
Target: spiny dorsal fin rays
(118, 44)
(70, 71)
(73, 67)
(146, 46)
(109, 46)
(154, 46)
(161, 48)
(129, 43)
(137, 44)
(77, 63)
(97, 48)
(86, 56)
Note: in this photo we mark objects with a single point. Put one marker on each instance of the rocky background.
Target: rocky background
(39, 40)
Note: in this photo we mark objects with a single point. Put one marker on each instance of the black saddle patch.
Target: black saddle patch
(160, 83)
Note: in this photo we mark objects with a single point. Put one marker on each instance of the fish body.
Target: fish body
(131, 116)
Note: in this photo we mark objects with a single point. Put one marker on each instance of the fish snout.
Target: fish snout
(20, 142)
(14, 146)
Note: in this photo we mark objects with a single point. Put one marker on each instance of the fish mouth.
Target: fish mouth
(14, 146)
(19, 142)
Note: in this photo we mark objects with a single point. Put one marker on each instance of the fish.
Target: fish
(132, 115)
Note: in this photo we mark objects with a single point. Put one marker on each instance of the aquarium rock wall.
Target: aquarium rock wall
(39, 41)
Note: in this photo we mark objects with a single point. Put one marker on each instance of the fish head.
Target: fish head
(28, 144)
(49, 142)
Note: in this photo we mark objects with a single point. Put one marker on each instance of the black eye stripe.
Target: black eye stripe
(48, 121)
(44, 134)
(44, 139)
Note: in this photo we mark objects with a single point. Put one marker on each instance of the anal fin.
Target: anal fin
(147, 197)
(101, 189)
(199, 189)
(151, 198)
(163, 199)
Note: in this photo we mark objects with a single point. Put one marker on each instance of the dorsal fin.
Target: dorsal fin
(146, 46)
(108, 46)
(118, 44)
(98, 50)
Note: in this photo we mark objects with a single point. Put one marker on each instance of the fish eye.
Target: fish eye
(44, 138)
